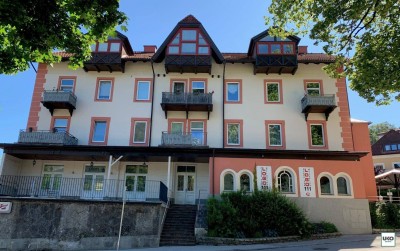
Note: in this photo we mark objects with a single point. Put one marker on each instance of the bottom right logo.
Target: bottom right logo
(388, 239)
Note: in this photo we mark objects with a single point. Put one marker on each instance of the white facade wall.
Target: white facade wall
(252, 110)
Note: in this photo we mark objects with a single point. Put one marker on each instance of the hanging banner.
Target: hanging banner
(307, 185)
(264, 178)
(5, 207)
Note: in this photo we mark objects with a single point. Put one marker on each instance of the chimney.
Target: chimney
(150, 48)
(303, 49)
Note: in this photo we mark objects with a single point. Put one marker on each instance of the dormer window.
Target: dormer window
(189, 42)
(265, 48)
(109, 46)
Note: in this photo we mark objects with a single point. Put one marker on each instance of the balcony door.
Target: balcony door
(135, 182)
(93, 182)
(197, 132)
(185, 185)
(179, 87)
(51, 180)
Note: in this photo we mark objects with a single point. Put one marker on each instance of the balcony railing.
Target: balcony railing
(188, 63)
(276, 64)
(59, 100)
(105, 61)
(188, 139)
(46, 137)
(318, 104)
(172, 101)
(97, 188)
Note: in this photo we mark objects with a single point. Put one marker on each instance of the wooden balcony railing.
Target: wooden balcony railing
(276, 64)
(188, 63)
(46, 137)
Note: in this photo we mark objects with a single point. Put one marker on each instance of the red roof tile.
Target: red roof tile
(315, 58)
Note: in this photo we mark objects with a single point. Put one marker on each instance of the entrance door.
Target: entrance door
(93, 183)
(185, 185)
(135, 182)
(51, 180)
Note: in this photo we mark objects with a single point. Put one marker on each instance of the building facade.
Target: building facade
(386, 152)
(199, 123)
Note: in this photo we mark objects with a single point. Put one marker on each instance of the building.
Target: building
(386, 151)
(199, 122)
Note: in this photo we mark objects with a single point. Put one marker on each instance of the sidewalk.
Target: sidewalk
(345, 242)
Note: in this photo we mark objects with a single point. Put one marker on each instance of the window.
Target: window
(99, 131)
(273, 91)
(115, 47)
(143, 90)
(342, 186)
(140, 131)
(66, 84)
(178, 86)
(60, 124)
(325, 185)
(197, 131)
(396, 165)
(228, 182)
(102, 47)
(275, 134)
(262, 49)
(233, 91)
(392, 147)
(245, 182)
(288, 49)
(285, 182)
(275, 49)
(52, 177)
(198, 87)
(379, 168)
(317, 138)
(104, 89)
(135, 179)
(189, 42)
(313, 87)
(233, 134)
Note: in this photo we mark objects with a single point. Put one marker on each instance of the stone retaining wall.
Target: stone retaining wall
(78, 225)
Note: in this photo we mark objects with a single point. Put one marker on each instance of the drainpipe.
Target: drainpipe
(223, 107)
(152, 102)
(169, 175)
(212, 175)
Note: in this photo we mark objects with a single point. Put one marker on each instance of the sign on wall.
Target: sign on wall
(264, 178)
(5, 207)
(307, 184)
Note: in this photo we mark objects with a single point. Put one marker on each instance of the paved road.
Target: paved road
(343, 243)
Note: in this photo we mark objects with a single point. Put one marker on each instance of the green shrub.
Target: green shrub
(323, 227)
(259, 214)
(384, 215)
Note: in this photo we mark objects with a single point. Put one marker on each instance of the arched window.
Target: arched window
(285, 182)
(228, 182)
(325, 185)
(342, 186)
(245, 182)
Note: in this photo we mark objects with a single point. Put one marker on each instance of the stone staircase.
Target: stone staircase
(178, 227)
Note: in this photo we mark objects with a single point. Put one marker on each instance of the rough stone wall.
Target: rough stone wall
(55, 224)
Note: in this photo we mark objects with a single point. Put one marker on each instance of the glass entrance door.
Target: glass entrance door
(135, 182)
(185, 185)
(93, 182)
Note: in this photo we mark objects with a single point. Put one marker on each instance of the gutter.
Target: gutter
(152, 101)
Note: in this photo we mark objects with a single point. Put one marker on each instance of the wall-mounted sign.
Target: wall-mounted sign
(5, 207)
(264, 178)
(307, 184)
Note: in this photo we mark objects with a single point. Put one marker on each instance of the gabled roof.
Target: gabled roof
(263, 34)
(188, 22)
(390, 137)
(125, 42)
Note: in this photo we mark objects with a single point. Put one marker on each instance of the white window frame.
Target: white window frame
(99, 90)
(280, 134)
(72, 87)
(323, 135)
(94, 131)
(227, 134)
(145, 132)
(227, 91)
(313, 88)
(279, 92)
(138, 89)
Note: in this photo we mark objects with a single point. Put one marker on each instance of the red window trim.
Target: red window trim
(317, 122)
(97, 90)
(279, 81)
(137, 80)
(60, 78)
(93, 120)
(233, 121)
(60, 117)
(283, 135)
(226, 91)
(179, 45)
(272, 43)
(133, 120)
(321, 86)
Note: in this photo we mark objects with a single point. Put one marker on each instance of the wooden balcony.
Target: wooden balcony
(46, 137)
(188, 63)
(318, 104)
(286, 64)
(188, 139)
(105, 61)
(59, 100)
(186, 102)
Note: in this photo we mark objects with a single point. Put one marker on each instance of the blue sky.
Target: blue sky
(230, 23)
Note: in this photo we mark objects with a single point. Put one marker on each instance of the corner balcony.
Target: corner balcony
(318, 104)
(186, 102)
(189, 139)
(59, 100)
(46, 137)
(276, 64)
(188, 63)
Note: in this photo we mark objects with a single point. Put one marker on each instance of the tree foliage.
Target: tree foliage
(370, 28)
(376, 129)
(31, 30)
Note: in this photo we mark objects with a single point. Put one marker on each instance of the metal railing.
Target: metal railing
(46, 137)
(184, 139)
(57, 96)
(91, 187)
(187, 98)
(321, 100)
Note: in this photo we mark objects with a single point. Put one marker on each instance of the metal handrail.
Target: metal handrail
(184, 138)
(46, 137)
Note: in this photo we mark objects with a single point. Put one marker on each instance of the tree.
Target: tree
(370, 28)
(376, 129)
(31, 30)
